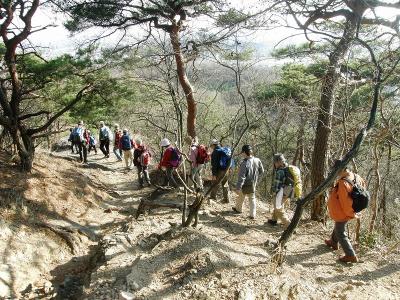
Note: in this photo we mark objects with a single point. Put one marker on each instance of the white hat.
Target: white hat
(139, 141)
(101, 122)
(214, 142)
(165, 142)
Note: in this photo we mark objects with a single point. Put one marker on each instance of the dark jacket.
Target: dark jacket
(215, 160)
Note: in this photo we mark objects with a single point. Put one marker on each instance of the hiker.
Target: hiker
(80, 139)
(126, 144)
(220, 158)
(198, 156)
(281, 189)
(117, 136)
(71, 140)
(104, 138)
(340, 206)
(250, 170)
(170, 160)
(92, 142)
(141, 160)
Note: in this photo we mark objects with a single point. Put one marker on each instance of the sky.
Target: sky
(57, 40)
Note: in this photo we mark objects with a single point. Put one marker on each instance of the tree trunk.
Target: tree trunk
(324, 124)
(25, 147)
(184, 81)
(375, 192)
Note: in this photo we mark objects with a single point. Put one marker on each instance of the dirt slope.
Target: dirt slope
(118, 257)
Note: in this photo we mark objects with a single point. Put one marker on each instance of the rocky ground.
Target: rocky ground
(69, 232)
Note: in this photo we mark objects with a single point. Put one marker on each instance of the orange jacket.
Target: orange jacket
(340, 202)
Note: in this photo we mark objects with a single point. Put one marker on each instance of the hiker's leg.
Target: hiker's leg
(107, 146)
(277, 202)
(341, 234)
(126, 158)
(198, 178)
(95, 150)
(130, 158)
(239, 202)
(169, 176)
(213, 193)
(334, 237)
(225, 186)
(139, 173)
(80, 151)
(72, 147)
(116, 152)
(253, 204)
(85, 152)
(102, 147)
(146, 174)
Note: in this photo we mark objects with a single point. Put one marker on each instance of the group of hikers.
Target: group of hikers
(286, 184)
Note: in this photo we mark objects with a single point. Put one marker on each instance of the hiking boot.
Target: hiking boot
(331, 244)
(348, 259)
(272, 222)
(252, 218)
(235, 210)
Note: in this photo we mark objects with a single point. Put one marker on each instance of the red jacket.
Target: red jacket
(166, 159)
(117, 134)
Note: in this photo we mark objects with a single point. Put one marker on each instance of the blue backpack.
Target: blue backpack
(77, 135)
(126, 142)
(225, 156)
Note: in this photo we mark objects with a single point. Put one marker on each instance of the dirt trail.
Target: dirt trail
(119, 257)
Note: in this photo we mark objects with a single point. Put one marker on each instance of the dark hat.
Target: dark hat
(246, 149)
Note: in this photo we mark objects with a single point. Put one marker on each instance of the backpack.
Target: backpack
(77, 135)
(293, 178)
(176, 158)
(92, 141)
(145, 158)
(126, 142)
(202, 155)
(359, 195)
(225, 156)
(104, 133)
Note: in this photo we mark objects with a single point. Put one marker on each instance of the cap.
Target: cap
(116, 125)
(214, 142)
(125, 130)
(139, 141)
(101, 122)
(246, 149)
(80, 123)
(165, 142)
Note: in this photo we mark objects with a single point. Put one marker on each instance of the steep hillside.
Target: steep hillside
(69, 232)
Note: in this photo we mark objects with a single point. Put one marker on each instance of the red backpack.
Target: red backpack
(202, 155)
(145, 158)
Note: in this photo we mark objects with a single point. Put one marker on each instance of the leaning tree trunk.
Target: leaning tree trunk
(324, 124)
(184, 81)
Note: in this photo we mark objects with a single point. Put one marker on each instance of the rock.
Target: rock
(356, 282)
(224, 284)
(246, 293)
(126, 296)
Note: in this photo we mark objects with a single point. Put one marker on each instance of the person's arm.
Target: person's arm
(241, 175)
(344, 188)
(278, 181)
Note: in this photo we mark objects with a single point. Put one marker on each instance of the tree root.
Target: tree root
(67, 234)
